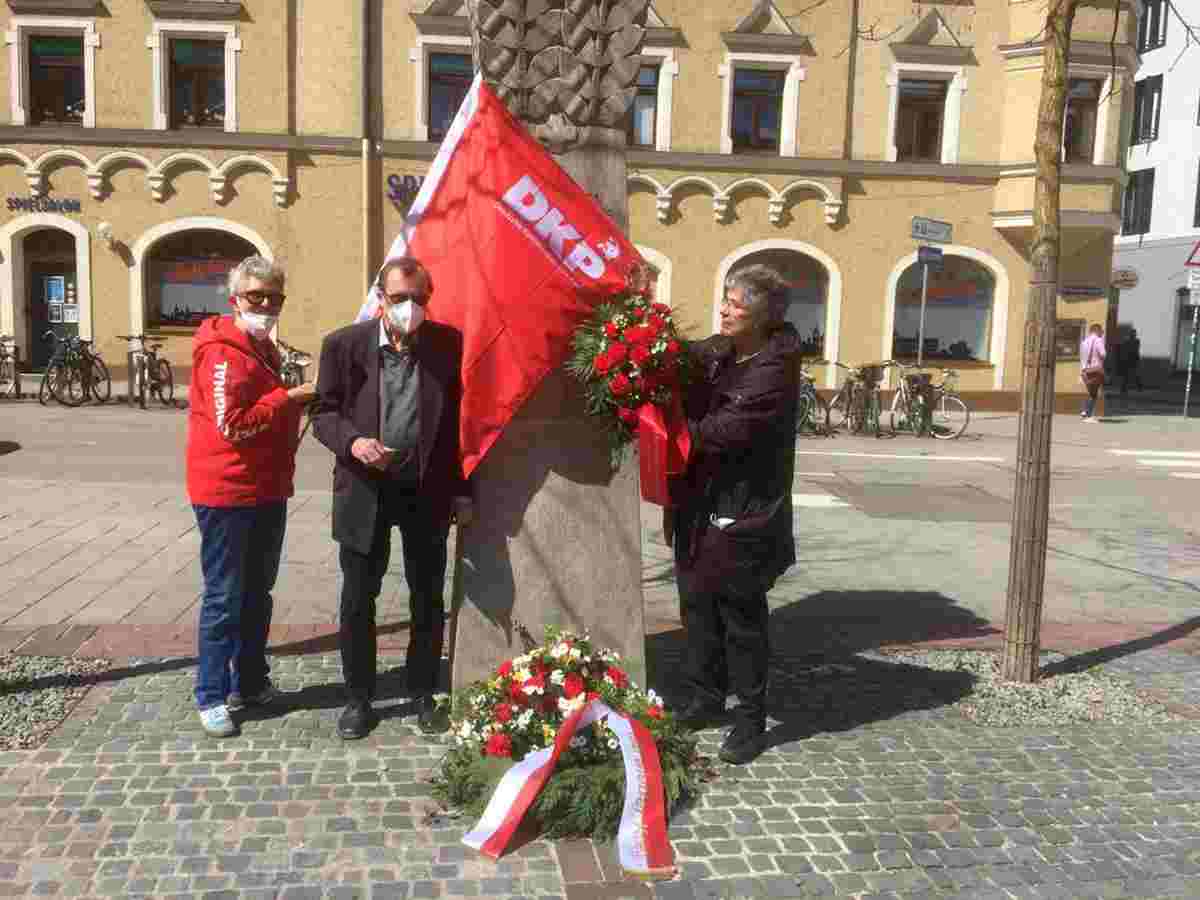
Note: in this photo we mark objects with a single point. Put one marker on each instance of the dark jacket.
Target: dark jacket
(743, 420)
(348, 408)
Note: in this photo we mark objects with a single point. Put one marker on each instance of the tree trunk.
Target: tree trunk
(1031, 498)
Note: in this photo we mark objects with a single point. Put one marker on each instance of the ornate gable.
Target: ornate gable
(765, 30)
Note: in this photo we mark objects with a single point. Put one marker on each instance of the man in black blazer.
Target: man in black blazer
(388, 395)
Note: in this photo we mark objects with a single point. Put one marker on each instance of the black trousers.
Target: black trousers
(728, 644)
(424, 545)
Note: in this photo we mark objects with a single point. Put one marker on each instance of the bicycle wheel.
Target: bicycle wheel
(950, 417)
(839, 410)
(872, 417)
(164, 383)
(101, 381)
(44, 390)
(898, 414)
(804, 412)
(8, 378)
(821, 416)
(67, 386)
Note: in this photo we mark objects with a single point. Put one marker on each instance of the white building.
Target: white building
(1161, 215)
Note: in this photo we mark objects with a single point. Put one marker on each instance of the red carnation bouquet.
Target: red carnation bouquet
(633, 366)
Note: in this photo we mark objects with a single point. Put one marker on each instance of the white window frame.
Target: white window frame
(956, 79)
(773, 62)
(419, 56)
(22, 27)
(668, 71)
(1104, 75)
(159, 43)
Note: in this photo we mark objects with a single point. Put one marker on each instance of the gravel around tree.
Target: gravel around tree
(38, 692)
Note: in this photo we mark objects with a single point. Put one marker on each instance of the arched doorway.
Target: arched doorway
(51, 291)
(959, 311)
(808, 294)
(185, 276)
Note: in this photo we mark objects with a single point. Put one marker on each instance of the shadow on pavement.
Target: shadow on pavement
(7, 447)
(326, 643)
(1083, 661)
(818, 683)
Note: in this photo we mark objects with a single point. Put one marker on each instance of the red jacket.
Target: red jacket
(242, 429)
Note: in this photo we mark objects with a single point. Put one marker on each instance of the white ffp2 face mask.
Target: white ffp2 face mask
(258, 324)
(406, 317)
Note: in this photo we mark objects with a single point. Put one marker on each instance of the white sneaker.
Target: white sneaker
(236, 701)
(1092, 420)
(216, 722)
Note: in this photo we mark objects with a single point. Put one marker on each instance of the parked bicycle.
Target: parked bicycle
(10, 378)
(922, 407)
(74, 373)
(856, 405)
(151, 375)
(295, 365)
(812, 413)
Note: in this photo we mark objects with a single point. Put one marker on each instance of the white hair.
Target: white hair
(265, 270)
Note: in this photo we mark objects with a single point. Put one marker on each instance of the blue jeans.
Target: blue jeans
(240, 549)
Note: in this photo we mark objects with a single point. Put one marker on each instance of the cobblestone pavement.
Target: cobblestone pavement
(874, 786)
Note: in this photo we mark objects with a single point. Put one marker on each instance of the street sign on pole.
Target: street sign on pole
(931, 230)
(1194, 286)
(934, 255)
(1193, 259)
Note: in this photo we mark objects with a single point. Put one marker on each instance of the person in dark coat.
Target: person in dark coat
(388, 393)
(732, 531)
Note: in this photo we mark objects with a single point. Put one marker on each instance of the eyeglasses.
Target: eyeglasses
(406, 296)
(262, 299)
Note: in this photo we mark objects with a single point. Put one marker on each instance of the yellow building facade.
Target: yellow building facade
(146, 145)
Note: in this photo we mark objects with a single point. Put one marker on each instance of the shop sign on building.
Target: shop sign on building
(45, 204)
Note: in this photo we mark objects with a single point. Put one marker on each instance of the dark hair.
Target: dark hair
(411, 267)
(1096, 328)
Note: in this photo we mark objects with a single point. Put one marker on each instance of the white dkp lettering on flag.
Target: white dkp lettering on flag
(526, 199)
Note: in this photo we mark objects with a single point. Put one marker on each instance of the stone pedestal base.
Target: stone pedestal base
(557, 540)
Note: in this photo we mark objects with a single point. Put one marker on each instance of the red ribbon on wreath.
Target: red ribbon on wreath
(664, 445)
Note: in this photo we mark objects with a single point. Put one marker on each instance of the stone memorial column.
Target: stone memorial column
(557, 536)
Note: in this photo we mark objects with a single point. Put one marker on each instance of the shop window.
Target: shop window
(197, 83)
(920, 115)
(186, 276)
(757, 109)
(1147, 107)
(808, 294)
(643, 113)
(56, 80)
(1139, 202)
(450, 77)
(1152, 28)
(958, 312)
(1079, 124)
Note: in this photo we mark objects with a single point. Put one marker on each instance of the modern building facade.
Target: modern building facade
(1161, 215)
(149, 144)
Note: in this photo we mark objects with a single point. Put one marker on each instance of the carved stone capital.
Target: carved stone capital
(566, 68)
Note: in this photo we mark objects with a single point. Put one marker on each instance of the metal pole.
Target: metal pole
(921, 327)
(1187, 394)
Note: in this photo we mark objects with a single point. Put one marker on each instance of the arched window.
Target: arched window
(958, 311)
(186, 274)
(808, 289)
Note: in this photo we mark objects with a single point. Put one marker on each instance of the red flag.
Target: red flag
(519, 254)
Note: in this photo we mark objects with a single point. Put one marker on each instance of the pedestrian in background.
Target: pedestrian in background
(243, 431)
(1131, 361)
(1091, 357)
(388, 393)
(733, 527)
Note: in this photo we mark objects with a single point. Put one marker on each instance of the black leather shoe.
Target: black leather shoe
(743, 744)
(701, 714)
(354, 722)
(431, 718)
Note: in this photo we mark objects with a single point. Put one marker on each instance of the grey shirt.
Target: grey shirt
(400, 409)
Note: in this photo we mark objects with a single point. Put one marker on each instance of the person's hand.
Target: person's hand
(371, 452)
(464, 511)
(302, 393)
(668, 526)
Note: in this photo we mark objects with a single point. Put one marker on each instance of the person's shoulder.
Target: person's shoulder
(441, 335)
(348, 333)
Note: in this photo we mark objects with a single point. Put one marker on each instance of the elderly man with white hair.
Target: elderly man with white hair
(243, 431)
